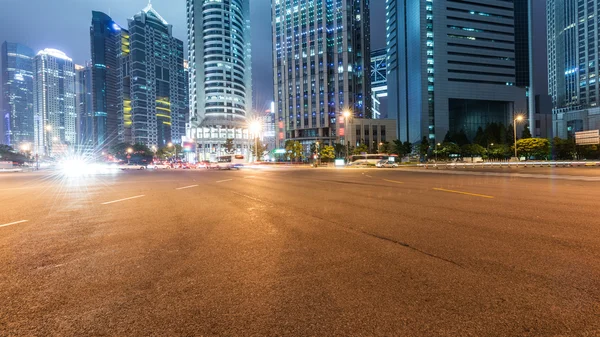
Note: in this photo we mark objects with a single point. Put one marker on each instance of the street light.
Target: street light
(255, 127)
(519, 118)
(347, 115)
(436, 151)
(129, 152)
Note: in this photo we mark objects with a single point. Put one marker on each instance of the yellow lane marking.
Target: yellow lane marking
(393, 181)
(465, 193)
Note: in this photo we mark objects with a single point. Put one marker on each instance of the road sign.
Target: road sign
(591, 137)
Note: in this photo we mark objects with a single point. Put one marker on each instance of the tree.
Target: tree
(408, 147)
(445, 150)
(167, 152)
(293, 150)
(327, 153)
(385, 147)
(588, 152)
(362, 148)
(461, 138)
(229, 146)
(119, 150)
(472, 150)
(7, 153)
(533, 147)
(257, 152)
(448, 137)
(563, 149)
(510, 136)
(499, 151)
(424, 147)
(526, 133)
(480, 137)
(339, 149)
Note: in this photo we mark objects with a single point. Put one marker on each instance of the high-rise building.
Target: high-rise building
(105, 41)
(321, 67)
(17, 91)
(220, 74)
(155, 101)
(378, 80)
(55, 115)
(451, 66)
(85, 108)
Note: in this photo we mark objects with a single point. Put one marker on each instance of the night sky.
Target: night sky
(64, 25)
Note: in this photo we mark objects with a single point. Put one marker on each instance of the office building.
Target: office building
(85, 108)
(451, 67)
(220, 74)
(17, 90)
(154, 102)
(321, 68)
(573, 37)
(378, 80)
(55, 115)
(105, 40)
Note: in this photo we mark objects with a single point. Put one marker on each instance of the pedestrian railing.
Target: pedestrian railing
(523, 164)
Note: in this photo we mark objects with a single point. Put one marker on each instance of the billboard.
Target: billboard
(591, 137)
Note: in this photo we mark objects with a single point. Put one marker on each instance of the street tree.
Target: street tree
(445, 150)
(563, 149)
(424, 147)
(229, 146)
(472, 150)
(385, 147)
(526, 133)
(294, 150)
(538, 148)
(327, 153)
(340, 150)
(257, 151)
(362, 148)
(499, 151)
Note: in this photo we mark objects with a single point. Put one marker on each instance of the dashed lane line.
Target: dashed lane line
(222, 181)
(183, 188)
(13, 223)
(124, 199)
(393, 181)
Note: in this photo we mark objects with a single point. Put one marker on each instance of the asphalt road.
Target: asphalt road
(299, 252)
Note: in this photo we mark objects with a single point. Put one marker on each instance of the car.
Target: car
(129, 166)
(159, 166)
(386, 163)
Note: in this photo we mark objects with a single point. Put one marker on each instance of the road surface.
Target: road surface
(299, 252)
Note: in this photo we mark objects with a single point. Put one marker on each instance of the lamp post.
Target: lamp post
(129, 152)
(519, 118)
(254, 128)
(347, 115)
(436, 151)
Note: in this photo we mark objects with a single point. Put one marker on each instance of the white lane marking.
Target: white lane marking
(368, 176)
(112, 202)
(13, 223)
(222, 181)
(183, 188)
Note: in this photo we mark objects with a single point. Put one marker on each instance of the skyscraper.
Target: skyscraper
(105, 41)
(84, 108)
(55, 116)
(157, 101)
(220, 74)
(378, 80)
(573, 49)
(321, 67)
(17, 91)
(451, 66)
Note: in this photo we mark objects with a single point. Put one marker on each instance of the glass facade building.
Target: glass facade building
(321, 67)
(55, 115)
(85, 109)
(443, 56)
(17, 90)
(573, 49)
(378, 80)
(105, 38)
(154, 93)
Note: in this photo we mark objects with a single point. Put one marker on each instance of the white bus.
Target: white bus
(370, 159)
(229, 162)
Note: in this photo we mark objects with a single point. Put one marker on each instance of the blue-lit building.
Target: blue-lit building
(378, 80)
(105, 41)
(85, 110)
(451, 67)
(17, 90)
(321, 68)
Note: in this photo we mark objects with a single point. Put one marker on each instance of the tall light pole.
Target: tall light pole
(519, 118)
(255, 127)
(129, 152)
(436, 151)
(347, 115)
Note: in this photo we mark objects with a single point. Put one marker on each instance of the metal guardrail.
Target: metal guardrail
(513, 164)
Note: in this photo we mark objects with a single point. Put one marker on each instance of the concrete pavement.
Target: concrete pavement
(298, 252)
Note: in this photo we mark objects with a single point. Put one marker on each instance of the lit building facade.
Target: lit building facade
(105, 38)
(55, 115)
(220, 82)
(17, 91)
(321, 68)
(451, 67)
(84, 108)
(154, 102)
(378, 80)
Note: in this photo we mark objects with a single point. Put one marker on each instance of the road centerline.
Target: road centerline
(184, 187)
(124, 199)
(464, 193)
(13, 223)
(222, 181)
(393, 181)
